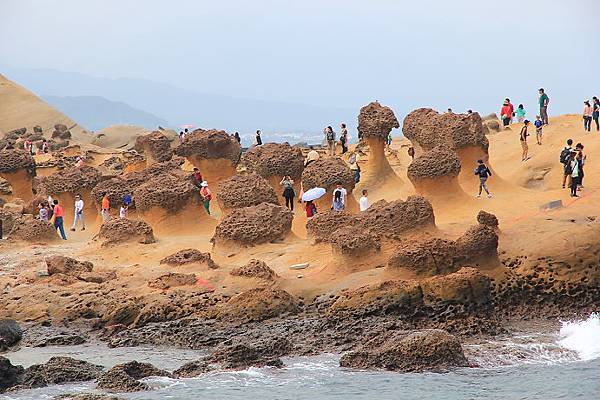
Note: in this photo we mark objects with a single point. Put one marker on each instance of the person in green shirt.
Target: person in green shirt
(544, 100)
(520, 113)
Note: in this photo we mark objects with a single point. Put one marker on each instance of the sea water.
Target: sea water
(529, 365)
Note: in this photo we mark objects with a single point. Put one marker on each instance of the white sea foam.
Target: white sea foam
(582, 337)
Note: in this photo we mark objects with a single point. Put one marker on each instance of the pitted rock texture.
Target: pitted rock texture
(85, 396)
(156, 145)
(245, 191)
(172, 279)
(258, 304)
(466, 286)
(14, 160)
(8, 220)
(70, 180)
(354, 242)
(436, 163)
(209, 145)
(255, 269)
(10, 333)
(123, 230)
(323, 225)
(275, 159)
(59, 370)
(376, 121)
(5, 187)
(58, 264)
(115, 188)
(428, 129)
(171, 191)
(125, 377)
(479, 241)
(188, 256)
(417, 351)
(327, 172)
(254, 225)
(428, 258)
(29, 229)
(245, 353)
(393, 218)
(487, 219)
(9, 374)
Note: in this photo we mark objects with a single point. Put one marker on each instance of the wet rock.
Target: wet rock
(59, 370)
(155, 145)
(487, 219)
(188, 256)
(428, 258)
(14, 160)
(10, 375)
(275, 160)
(466, 286)
(85, 396)
(242, 354)
(418, 351)
(327, 173)
(172, 279)
(123, 230)
(5, 187)
(57, 264)
(10, 333)
(193, 369)
(245, 191)
(375, 120)
(125, 377)
(255, 269)
(257, 305)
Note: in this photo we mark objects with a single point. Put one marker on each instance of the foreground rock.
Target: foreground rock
(68, 266)
(26, 228)
(9, 374)
(255, 269)
(189, 256)
(125, 377)
(419, 351)
(242, 354)
(257, 305)
(123, 230)
(86, 396)
(245, 191)
(59, 370)
(172, 279)
(10, 333)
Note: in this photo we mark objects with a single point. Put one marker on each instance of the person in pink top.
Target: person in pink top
(587, 116)
(511, 109)
(58, 217)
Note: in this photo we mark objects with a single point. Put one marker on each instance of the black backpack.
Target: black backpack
(564, 155)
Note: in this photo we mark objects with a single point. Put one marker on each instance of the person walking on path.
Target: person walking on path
(575, 171)
(105, 208)
(520, 113)
(582, 159)
(206, 195)
(78, 213)
(564, 159)
(343, 193)
(587, 116)
(505, 113)
(523, 138)
(258, 138)
(288, 191)
(59, 219)
(483, 172)
(43, 212)
(538, 129)
(338, 203)
(511, 113)
(344, 138)
(311, 209)
(330, 137)
(364, 200)
(596, 111)
(544, 100)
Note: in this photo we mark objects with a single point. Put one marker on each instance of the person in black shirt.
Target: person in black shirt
(483, 172)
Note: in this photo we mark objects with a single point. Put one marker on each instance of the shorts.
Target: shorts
(524, 145)
(506, 121)
(538, 132)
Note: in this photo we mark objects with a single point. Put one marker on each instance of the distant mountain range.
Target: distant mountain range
(145, 100)
(96, 112)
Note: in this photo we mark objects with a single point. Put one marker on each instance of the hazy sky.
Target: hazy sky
(460, 54)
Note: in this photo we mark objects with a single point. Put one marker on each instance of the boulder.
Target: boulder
(8, 220)
(5, 187)
(172, 279)
(245, 353)
(209, 145)
(125, 377)
(431, 257)
(275, 160)
(13, 160)
(10, 375)
(487, 219)
(376, 121)
(255, 269)
(478, 242)
(245, 191)
(322, 226)
(438, 162)
(188, 256)
(66, 265)
(258, 304)
(396, 217)
(355, 242)
(193, 369)
(10, 333)
(466, 286)
(254, 225)
(59, 370)
(123, 230)
(98, 276)
(156, 146)
(71, 180)
(418, 351)
(27, 228)
(327, 172)
(169, 191)
(13, 208)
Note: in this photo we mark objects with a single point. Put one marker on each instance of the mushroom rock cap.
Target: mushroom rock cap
(275, 159)
(487, 219)
(156, 145)
(428, 129)
(393, 218)
(254, 225)
(435, 163)
(327, 172)
(115, 188)
(210, 144)
(375, 120)
(68, 181)
(170, 191)
(245, 191)
(14, 160)
(123, 230)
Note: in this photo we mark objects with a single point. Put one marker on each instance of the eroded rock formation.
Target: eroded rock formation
(255, 269)
(188, 256)
(257, 305)
(156, 146)
(123, 230)
(275, 160)
(245, 191)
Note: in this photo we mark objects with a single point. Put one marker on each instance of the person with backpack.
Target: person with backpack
(288, 191)
(483, 172)
(544, 100)
(330, 136)
(206, 195)
(523, 138)
(538, 129)
(565, 154)
(505, 114)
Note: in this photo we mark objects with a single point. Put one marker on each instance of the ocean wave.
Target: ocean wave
(582, 337)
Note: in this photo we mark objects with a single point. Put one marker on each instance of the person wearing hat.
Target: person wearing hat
(78, 213)
(206, 195)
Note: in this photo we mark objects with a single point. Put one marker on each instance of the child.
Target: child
(311, 209)
(483, 172)
(364, 200)
(123, 212)
(523, 138)
(43, 213)
(520, 113)
(538, 129)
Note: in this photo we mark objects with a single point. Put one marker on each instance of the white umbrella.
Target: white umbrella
(313, 194)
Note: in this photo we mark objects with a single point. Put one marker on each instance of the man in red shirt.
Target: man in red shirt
(58, 219)
(511, 109)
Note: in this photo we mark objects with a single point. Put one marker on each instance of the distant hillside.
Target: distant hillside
(95, 112)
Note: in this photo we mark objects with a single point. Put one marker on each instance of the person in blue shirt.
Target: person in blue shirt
(538, 129)
(483, 172)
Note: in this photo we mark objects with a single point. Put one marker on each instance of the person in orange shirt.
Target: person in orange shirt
(58, 216)
(105, 208)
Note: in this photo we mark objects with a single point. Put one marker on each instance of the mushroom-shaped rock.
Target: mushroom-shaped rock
(214, 152)
(123, 230)
(70, 180)
(169, 191)
(12, 160)
(245, 191)
(275, 160)
(352, 242)
(439, 162)
(465, 286)
(396, 217)
(487, 219)
(172, 279)
(29, 229)
(254, 225)
(258, 304)
(389, 297)
(432, 257)
(156, 146)
(478, 242)
(323, 225)
(189, 256)
(57, 264)
(418, 351)
(327, 173)
(254, 269)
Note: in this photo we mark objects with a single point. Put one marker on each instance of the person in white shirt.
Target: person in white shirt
(123, 211)
(364, 201)
(78, 213)
(343, 191)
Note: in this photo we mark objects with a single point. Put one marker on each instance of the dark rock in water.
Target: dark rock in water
(43, 336)
(10, 333)
(247, 353)
(193, 369)
(9, 374)
(59, 370)
(125, 377)
(86, 396)
(418, 351)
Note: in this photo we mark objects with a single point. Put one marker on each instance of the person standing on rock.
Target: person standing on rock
(538, 129)
(364, 201)
(197, 178)
(596, 111)
(520, 113)
(523, 139)
(587, 116)
(258, 138)
(511, 113)
(105, 208)
(206, 195)
(330, 137)
(58, 216)
(288, 191)
(237, 137)
(344, 138)
(354, 167)
(505, 114)
(45, 147)
(78, 213)
(483, 172)
(565, 155)
(582, 157)
(544, 100)
(574, 169)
